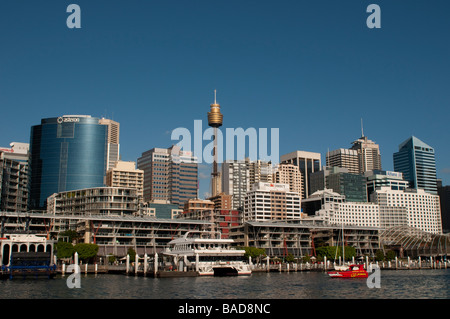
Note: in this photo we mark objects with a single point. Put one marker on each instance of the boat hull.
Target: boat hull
(354, 271)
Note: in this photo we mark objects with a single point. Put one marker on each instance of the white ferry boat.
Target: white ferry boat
(208, 255)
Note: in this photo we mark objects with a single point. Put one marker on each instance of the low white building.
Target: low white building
(332, 207)
(271, 201)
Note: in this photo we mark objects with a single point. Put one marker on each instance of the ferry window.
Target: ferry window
(23, 247)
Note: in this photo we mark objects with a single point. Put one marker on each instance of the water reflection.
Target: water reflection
(432, 284)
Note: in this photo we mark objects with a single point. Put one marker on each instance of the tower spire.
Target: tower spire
(362, 129)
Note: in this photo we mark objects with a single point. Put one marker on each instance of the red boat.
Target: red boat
(354, 271)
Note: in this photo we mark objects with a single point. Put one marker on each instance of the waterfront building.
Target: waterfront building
(113, 144)
(271, 201)
(416, 160)
(423, 209)
(114, 234)
(169, 174)
(124, 174)
(352, 186)
(98, 200)
(300, 237)
(444, 198)
(289, 174)
(66, 153)
(344, 158)
(14, 177)
(333, 208)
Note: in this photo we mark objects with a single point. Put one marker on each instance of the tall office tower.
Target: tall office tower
(14, 178)
(444, 197)
(259, 171)
(125, 174)
(169, 175)
(215, 120)
(66, 153)
(338, 179)
(369, 156)
(416, 161)
(288, 174)
(344, 158)
(113, 141)
(376, 179)
(307, 162)
(236, 181)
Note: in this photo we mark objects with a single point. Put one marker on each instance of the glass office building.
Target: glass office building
(66, 153)
(416, 160)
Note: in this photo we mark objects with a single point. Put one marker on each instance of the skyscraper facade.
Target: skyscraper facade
(66, 153)
(169, 175)
(307, 162)
(416, 160)
(369, 157)
(113, 142)
(236, 181)
(362, 157)
(344, 158)
(289, 174)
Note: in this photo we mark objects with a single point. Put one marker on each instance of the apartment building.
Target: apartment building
(271, 201)
(124, 174)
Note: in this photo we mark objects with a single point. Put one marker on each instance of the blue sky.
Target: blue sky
(312, 69)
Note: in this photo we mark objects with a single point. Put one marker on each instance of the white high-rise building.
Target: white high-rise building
(422, 208)
(113, 142)
(271, 201)
(236, 181)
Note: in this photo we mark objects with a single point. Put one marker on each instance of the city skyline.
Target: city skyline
(311, 70)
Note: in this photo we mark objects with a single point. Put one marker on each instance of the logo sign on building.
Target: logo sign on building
(394, 174)
(62, 119)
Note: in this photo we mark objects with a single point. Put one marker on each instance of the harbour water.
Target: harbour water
(395, 284)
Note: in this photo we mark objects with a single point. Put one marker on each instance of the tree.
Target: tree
(290, 258)
(379, 255)
(390, 255)
(253, 252)
(86, 252)
(132, 254)
(64, 250)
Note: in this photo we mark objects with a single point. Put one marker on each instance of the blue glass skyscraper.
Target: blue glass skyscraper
(66, 153)
(416, 160)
